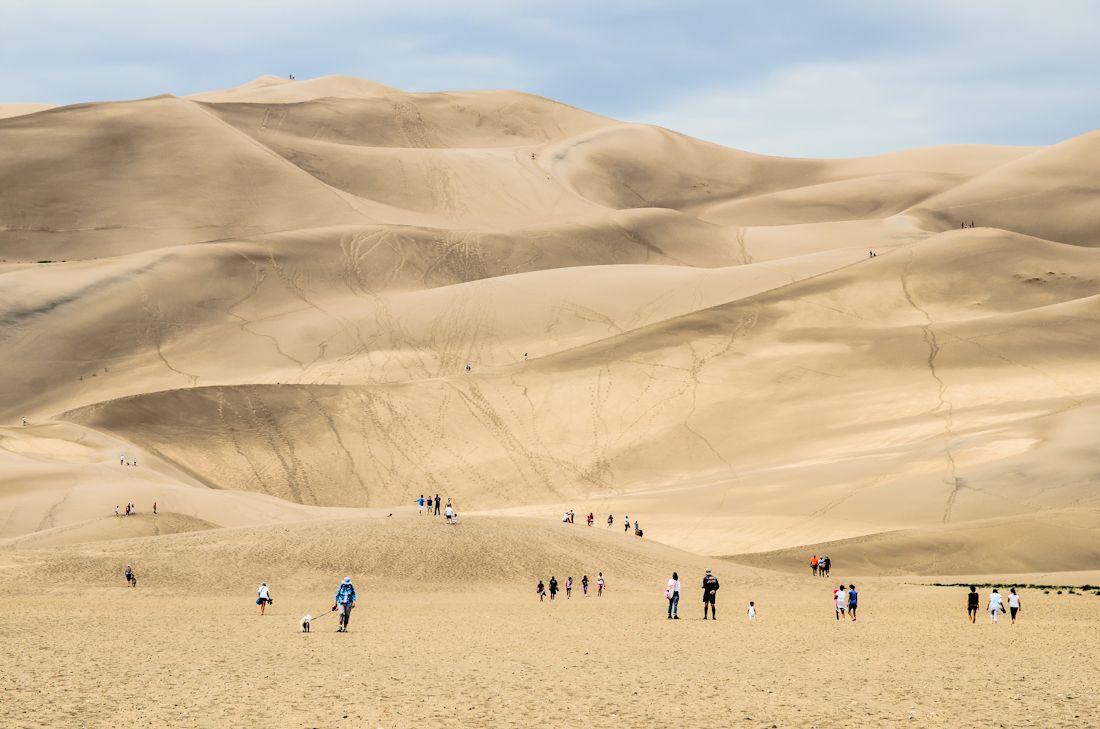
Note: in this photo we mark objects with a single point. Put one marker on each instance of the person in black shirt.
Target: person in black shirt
(972, 604)
(710, 589)
(437, 504)
(553, 587)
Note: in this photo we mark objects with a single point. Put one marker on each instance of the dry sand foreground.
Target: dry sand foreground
(153, 657)
(283, 311)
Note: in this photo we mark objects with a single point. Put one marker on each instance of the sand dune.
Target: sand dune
(271, 293)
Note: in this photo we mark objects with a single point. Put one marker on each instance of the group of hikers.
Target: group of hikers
(996, 604)
(820, 566)
(542, 591)
(449, 512)
(131, 509)
(569, 517)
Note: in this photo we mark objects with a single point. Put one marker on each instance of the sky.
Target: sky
(824, 78)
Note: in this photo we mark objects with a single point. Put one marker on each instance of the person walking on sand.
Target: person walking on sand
(840, 600)
(610, 520)
(154, 508)
(752, 611)
(710, 595)
(116, 510)
(1013, 604)
(853, 601)
(131, 578)
(599, 585)
(813, 565)
(541, 590)
(568, 587)
(420, 504)
(345, 603)
(553, 588)
(437, 504)
(591, 518)
(626, 523)
(584, 585)
(996, 605)
(263, 597)
(972, 599)
(672, 594)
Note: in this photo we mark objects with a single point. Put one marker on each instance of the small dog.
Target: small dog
(305, 623)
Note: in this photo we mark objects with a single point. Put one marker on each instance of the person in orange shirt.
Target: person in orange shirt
(813, 564)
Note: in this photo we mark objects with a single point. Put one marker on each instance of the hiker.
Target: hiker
(468, 367)
(568, 587)
(127, 508)
(853, 601)
(449, 513)
(591, 517)
(122, 460)
(584, 585)
(610, 520)
(116, 510)
(972, 604)
(437, 504)
(131, 578)
(672, 594)
(636, 529)
(1013, 604)
(572, 517)
(263, 597)
(541, 590)
(996, 605)
(710, 594)
(825, 566)
(626, 523)
(345, 603)
(154, 508)
(599, 585)
(420, 504)
(752, 611)
(553, 588)
(813, 565)
(24, 422)
(840, 600)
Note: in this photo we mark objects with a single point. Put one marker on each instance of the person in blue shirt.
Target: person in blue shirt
(345, 602)
(853, 601)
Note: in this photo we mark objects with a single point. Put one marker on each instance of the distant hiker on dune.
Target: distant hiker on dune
(568, 587)
(591, 517)
(752, 610)
(420, 504)
(131, 578)
(263, 597)
(437, 504)
(710, 595)
(584, 585)
(972, 599)
(345, 603)
(610, 520)
(553, 588)
(813, 564)
(1013, 604)
(116, 510)
(853, 601)
(599, 585)
(626, 523)
(541, 590)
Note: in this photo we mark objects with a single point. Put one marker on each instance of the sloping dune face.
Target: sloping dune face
(298, 295)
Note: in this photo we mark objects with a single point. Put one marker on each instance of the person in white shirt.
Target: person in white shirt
(752, 610)
(996, 605)
(672, 594)
(263, 597)
(1013, 604)
(840, 596)
(449, 514)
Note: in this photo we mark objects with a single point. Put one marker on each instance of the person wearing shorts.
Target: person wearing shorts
(840, 601)
(263, 597)
(599, 585)
(584, 585)
(972, 599)
(853, 601)
(1013, 604)
(710, 595)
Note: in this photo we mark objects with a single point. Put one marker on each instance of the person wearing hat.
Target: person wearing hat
(710, 590)
(345, 601)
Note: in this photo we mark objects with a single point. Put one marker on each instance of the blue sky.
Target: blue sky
(827, 78)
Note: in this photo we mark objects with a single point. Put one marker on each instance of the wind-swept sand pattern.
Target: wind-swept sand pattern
(267, 297)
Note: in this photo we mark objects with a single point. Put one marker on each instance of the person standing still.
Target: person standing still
(437, 501)
(710, 595)
(672, 593)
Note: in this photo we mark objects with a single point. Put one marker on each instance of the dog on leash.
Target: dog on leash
(306, 619)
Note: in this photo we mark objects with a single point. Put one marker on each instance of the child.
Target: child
(752, 610)
(541, 590)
